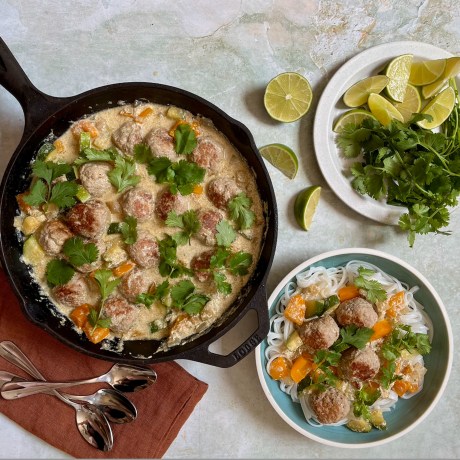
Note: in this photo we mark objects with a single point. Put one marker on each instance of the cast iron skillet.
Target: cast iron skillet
(44, 114)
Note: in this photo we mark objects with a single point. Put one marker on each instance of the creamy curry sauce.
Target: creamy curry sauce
(178, 325)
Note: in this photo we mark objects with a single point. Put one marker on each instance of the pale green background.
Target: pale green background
(226, 52)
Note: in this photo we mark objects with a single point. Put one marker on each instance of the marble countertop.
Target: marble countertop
(226, 52)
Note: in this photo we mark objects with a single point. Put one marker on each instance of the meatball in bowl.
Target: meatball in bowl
(359, 349)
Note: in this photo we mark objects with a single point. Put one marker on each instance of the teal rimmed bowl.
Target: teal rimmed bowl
(407, 413)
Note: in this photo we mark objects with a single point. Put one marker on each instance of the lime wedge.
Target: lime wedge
(398, 71)
(439, 108)
(354, 116)
(412, 103)
(358, 93)
(426, 72)
(451, 70)
(305, 205)
(282, 158)
(288, 97)
(383, 110)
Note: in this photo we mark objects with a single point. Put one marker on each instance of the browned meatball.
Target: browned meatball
(208, 222)
(134, 283)
(208, 154)
(359, 364)
(221, 190)
(319, 333)
(200, 264)
(357, 311)
(93, 177)
(138, 203)
(74, 293)
(101, 247)
(127, 136)
(167, 202)
(53, 235)
(161, 144)
(121, 313)
(90, 219)
(330, 405)
(144, 251)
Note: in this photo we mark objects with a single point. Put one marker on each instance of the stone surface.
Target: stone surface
(226, 52)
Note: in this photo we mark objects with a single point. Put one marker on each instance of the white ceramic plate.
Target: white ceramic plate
(330, 107)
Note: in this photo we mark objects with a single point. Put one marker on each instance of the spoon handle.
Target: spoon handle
(12, 353)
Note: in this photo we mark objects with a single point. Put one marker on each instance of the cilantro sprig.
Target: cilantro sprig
(78, 252)
(185, 298)
(169, 265)
(58, 272)
(47, 190)
(148, 298)
(123, 175)
(374, 290)
(127, 229)
(184, 139)
(188, 222)
(354, 336)
(408, 166)
(240, 212)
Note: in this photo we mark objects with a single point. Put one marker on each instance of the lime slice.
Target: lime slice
(282, 158)
(451, 70)
(439, 108)
(383, 110)
(398, 71)
(354, 116)
(358, 94)
(426, 72)
(412, 103)
(305, 205)
(288, 97)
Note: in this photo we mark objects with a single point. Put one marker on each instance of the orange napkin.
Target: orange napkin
(162, 408)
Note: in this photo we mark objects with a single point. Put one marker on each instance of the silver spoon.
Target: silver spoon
(122, 377)
(115, 406)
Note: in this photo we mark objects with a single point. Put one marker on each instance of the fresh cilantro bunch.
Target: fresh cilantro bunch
(47, 190)
(374, 290)
(408, 166)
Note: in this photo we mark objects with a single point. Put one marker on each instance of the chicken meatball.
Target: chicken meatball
(74, 293)
(53, 235)
(90, 219)
(138, 203)
(359, 364)
(127, 136)
(93, 176)
(319, 333)
(145, 251)
(208, 154)
(208, 226)
(134, 283)
(201, 264)
(221, 190)
(357, 311)
(161, 144)
(121, 313)
(330, 405)
(167, 202)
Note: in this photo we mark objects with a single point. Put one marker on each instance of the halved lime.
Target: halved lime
(426, 72)
(383, 109)
(451, 70)
(398, 71)
(282, 158)
(288, 97)
(412, 103)
(439, 108)
(354, 116)
(358, 93)
(305, 205)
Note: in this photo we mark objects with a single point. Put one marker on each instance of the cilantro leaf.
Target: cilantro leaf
(58, 272)
(80, 253)
(188, 222)
(225, 234)
(352, 335)
(147, 298)
(184, 298)
(184, 139)
(38, 194)
(142, 153)
(63, 194)
(123, 175)
(240, 212)
(88, 154)
(222, 285)
(95, 319)
(169, 266)
(127, 228)
(239, 263)
(106, 284)
(219, 258)
(374, 290)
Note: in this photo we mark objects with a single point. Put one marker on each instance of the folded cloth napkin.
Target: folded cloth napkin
(162, 408)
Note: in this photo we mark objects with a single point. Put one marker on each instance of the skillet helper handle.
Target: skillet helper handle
(36, 105)
(257, 303)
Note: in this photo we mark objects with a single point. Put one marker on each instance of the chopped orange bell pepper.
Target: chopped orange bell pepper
(279, 368)
(95, 335)
(58, 144)
(401, 387)
(381, 329)
(198, 189)
(295, 309)
(123, 269)
(145, 112)
(348, 292)
(301, 367)
(80, 314)
(23, 206)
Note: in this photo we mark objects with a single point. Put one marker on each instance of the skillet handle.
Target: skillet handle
(257, 303)
(37, 106)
